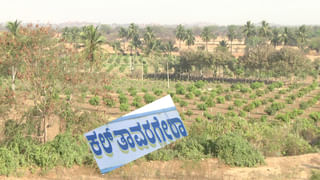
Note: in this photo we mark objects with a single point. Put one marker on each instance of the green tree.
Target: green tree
(206, 35)
(13, 28)
(190, 39)
(180, 34)
(248, 30)
(302, 36)
(168, 48)
(285, 36)
(265, 30)
(231, 35)
(123, 34)
(276, 38)
(92, 40)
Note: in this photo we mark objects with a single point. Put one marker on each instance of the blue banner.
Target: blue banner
(136, 134)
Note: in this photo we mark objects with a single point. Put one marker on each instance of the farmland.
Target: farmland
(239, 110)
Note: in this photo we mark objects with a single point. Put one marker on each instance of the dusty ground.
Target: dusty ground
(294, 167)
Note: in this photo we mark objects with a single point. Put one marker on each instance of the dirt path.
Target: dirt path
(294, 167)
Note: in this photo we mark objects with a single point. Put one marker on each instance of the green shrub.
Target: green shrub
(260, 93)
(144, 90)
(315, 175)
(315, 116)
(304, 105)
(237, 103)
(197, 93)
(95, 100)
(256, 85)
(9, 161)
(294, 145)
(228, 97)
(235, 87)
(220, 100)
(203, 98)
(199, 84)
(137, 101)
(180, 90)
(276, 106)
(245, 90)
(123, 99)
(132, 91)
(183, 103)
(236, 151)
(208, 115)
(210, 102)
(190, 95)
(191, 88)
(109, 101)
(158, 92)
(189, 113)
(148, 98)
(202, 107)
(230, 108)
(124, 107)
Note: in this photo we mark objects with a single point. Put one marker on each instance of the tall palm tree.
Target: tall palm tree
(248, 30)
(133, 35)
(265, 30)
(231, 35)
(92, 40)
(168, 48)
(180, 34)
(302, 36)
(13, 27)
(285, 36)
(206, 35)
(190, 39)
(123, 34)
(276, 38)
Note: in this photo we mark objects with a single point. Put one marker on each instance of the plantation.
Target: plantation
(239, 110)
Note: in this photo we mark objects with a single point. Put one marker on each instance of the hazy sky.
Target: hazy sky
(221, 12)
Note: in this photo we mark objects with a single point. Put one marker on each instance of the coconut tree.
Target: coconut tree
(190, 39)
(206, 35)
(265, 30)
(180, 34)
(248, 30)
(13, 28)
(276, 38)
(285, 36)
(302, 36)
(123, 34)
(168, 48)
(231, 35)
(92, 40)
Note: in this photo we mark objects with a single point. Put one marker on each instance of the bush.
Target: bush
(137, 101)
(189, 113)
(208, 115)
(228, 97)
(183, 103)
(9, 161)
(197, 93)
(315, 116)
(220, 100)
(202, 107)
(210, 102)
(148, 98)
(271, 110)
(124, 107)
(256, 85)
(237, 103)
(203, 98)
(109, 101)
(236, 151)
(295, 146)
(199, 84)
(180, 90)
(191, 88)
(235, 87)
(190, 95)
(123, 99)
(94, 101)
(158, 92)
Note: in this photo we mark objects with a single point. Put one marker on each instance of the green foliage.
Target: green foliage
(8, 161)
(123, 99)
(148, 98)
(236, 151)
(202, 107)
(238, 103)
(124, 107)
(157, 92)
(95, 100)
(137, 101)
(276, 106)
(183, 103)
(197, 92)
(190, 95)
(199, 84)
(189, 113)
(220, 100)
(133, 91)
(109, 101)
(315, 175)
(256, 85)
(180, 90)
(315, 116)
(295, 146)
